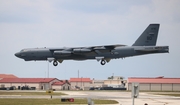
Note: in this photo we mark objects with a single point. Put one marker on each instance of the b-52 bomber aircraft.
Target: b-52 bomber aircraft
(145, 44)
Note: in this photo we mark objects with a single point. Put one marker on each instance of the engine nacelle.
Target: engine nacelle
(65, 53)
(81, 50)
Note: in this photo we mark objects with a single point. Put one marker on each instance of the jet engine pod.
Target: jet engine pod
(65, 53)
(81, 50)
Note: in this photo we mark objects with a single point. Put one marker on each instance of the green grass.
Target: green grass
(8, 101)
(29, 93)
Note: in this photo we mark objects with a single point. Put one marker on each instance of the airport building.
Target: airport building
(9, 81)
(80, 83)
(155, 84)
(115, 81)
(28, 83)
(61, 85)
(97, 83)
(7, 76)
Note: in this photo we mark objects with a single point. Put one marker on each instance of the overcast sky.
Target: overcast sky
(75, 23)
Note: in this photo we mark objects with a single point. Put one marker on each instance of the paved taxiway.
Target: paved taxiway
(124, 98)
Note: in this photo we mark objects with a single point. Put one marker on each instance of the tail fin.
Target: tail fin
(148, 37)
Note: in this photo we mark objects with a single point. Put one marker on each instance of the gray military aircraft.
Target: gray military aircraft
(145, 44)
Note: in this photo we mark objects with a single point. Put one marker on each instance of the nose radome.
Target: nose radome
(17, 54)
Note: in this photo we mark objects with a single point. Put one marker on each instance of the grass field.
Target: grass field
(50, 101)
(29, 93)
(43, 101)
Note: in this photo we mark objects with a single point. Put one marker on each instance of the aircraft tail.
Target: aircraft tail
(148, 37)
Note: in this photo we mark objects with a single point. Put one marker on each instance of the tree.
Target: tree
(112, 77)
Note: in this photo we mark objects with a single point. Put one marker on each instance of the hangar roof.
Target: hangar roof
(26, 80)
(58, 83)
(80, 80)
(7, 76)
(154, 80)
(61, 82)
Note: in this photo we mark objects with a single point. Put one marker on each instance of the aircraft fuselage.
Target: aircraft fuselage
(119, 52)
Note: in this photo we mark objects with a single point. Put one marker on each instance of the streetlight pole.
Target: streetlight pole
(48, 70)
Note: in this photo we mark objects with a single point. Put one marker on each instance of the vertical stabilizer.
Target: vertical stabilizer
(148, 37)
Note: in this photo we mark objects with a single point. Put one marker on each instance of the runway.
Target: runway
(124, 98)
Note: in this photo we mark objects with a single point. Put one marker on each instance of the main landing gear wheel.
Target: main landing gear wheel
(55, 63)
(103, 62)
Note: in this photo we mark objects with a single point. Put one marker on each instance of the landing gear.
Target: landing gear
(103, 62)
(55, 63)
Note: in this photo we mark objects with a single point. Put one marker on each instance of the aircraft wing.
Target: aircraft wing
(83, 50)
(59, 49)
(107, 47)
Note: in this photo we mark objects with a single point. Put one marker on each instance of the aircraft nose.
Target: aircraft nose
(17, 54)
